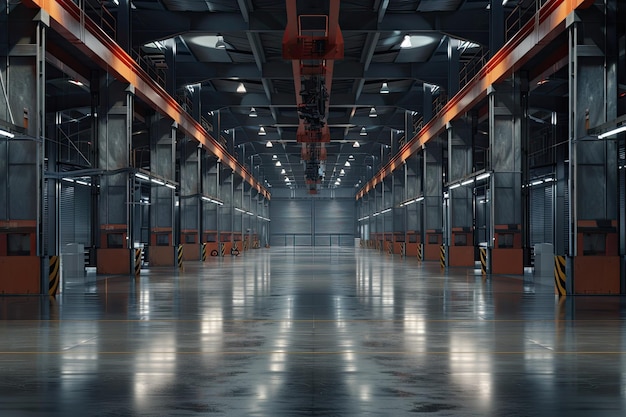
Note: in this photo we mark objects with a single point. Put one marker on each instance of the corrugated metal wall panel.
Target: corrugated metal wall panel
(541, 214)
(66, 217)
(306, 222)
(75, 216)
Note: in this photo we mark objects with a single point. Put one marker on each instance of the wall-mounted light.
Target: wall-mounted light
(6, 134)
(612, 132)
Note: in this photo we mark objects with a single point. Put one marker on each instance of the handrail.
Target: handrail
(547, 24)
(70, 21)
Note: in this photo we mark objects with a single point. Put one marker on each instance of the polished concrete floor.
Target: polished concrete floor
(312, 331)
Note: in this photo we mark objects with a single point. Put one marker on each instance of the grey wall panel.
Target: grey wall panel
(291, 216)
(334, 216)
(312, 221)
(75, 215)
(3, 179)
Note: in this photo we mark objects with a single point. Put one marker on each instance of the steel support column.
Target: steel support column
(593, 241)
(162, 199)
(114, 133)
(460, 164)
(505, 141)
(432, 232)
(190, 188)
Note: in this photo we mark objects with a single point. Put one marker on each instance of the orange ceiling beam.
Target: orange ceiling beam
(527, 43)
(66, 19)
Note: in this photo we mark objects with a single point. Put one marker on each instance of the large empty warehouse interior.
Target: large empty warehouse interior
(312, 207)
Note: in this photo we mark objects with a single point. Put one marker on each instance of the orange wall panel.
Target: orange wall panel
(507, 261)
(461, 256)
(114, 261)
(596, 275)
(20, 275)
(161, 256)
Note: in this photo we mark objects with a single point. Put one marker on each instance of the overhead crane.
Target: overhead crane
(313, 43)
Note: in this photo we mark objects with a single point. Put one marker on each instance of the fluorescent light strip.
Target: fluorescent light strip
(159, 182)
(483, 176)
(612, 132)
(7, 134)
(240, 210)
(172, 186)
(466, 182)
(453, 186)
(385, 211)
(143, 177)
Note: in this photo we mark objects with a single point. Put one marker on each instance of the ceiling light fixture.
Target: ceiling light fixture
(278, 164)
(363, 132)
(268, 144)
(347, 164)
(252, 112)
(406, 42)
(373, 112)
(274, 157)
(220, 44)
(262, 132)
(241, 88)
(384, 89)
(75, 82)
(282, 171)
(356, 144)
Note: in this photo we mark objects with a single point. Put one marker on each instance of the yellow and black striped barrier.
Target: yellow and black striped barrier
(390, 248)
(442, 256)
(203, 252)
(420, 252)
(245, 245)
(559, 275)
(53, 276)
(137, 262)
(483, 260)
(403, 249)
(222, 249)
(180, 256)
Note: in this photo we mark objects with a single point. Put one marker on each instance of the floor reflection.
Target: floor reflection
(312, 331)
